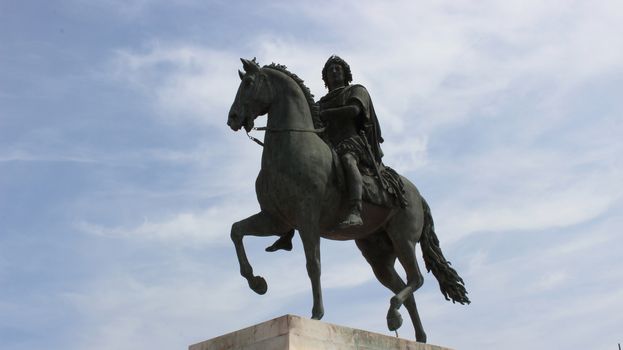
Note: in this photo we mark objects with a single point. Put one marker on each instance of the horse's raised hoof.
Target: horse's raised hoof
(394, 320)
(258, 284)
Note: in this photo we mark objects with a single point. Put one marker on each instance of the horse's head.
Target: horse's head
(252, 99)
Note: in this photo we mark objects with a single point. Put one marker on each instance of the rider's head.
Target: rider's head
(336, 73)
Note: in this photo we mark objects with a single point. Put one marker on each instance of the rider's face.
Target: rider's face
(335, 76)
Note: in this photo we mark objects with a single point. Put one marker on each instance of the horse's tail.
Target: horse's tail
(450, 283)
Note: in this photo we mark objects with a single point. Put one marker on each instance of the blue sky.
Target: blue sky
(119, 179)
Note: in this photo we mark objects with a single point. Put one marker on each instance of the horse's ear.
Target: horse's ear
(249, 67)
(240, 74)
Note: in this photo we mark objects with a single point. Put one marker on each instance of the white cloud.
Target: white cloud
(127, 10)
(515, 187)
(23, 156)
(208, 226)
(188, 82)
(406, 154)
(119, 308)
(530, 212)
(447, 59)
(550, 280)
(183, 298)
(521, 291)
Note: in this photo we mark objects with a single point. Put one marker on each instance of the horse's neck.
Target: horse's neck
(289, 111)
(289, 108)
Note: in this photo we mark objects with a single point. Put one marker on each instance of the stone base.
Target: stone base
(297, 333)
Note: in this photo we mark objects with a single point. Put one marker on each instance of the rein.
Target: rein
(267, 129)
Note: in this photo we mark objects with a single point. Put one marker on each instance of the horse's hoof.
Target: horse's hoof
(258, 284)
(420, 339)
(317, 314)
(394, 320)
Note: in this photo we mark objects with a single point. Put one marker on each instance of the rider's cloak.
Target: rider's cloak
(366, 121)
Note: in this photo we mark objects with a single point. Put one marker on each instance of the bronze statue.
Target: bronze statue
(301, 185)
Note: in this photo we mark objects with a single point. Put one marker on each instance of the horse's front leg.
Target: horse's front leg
(260, 224)
(310, 236)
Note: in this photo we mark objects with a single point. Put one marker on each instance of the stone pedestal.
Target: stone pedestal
(296, 333)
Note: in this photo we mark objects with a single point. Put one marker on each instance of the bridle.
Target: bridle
(267, 129)
(256, 89)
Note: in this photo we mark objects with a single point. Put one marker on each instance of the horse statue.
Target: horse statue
(297, 189)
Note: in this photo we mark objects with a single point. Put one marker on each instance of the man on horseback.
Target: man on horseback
(300, 187)
(353, 131)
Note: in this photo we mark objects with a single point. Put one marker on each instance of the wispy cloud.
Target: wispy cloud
(209, 226)
(188, 82)
(118, 307)
(127, 10)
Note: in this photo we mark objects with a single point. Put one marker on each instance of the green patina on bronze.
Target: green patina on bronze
(322, 174)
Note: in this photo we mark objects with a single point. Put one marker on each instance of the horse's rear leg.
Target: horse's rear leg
(260, 224)
(405, 251)
(379, 253)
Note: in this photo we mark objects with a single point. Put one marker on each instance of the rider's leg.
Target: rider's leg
(284, 242)
(354, 184)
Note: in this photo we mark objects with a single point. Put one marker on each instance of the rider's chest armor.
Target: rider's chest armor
(339, 128)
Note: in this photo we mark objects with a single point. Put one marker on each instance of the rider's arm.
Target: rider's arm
(349, 111)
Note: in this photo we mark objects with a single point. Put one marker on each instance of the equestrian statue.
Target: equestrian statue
(322, 175)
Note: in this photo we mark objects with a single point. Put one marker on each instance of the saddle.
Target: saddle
(386, 192)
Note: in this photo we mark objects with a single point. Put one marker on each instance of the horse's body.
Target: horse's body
(297, 189)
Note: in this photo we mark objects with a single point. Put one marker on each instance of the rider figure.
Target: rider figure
(354, 132)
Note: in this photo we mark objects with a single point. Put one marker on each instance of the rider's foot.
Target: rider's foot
(284, 242)
(353, 218)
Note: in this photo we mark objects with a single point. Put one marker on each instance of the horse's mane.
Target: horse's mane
(313, 106)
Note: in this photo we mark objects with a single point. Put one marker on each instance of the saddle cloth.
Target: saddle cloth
(391, 195)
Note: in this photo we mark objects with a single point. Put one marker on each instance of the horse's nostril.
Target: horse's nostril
(230, 117)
